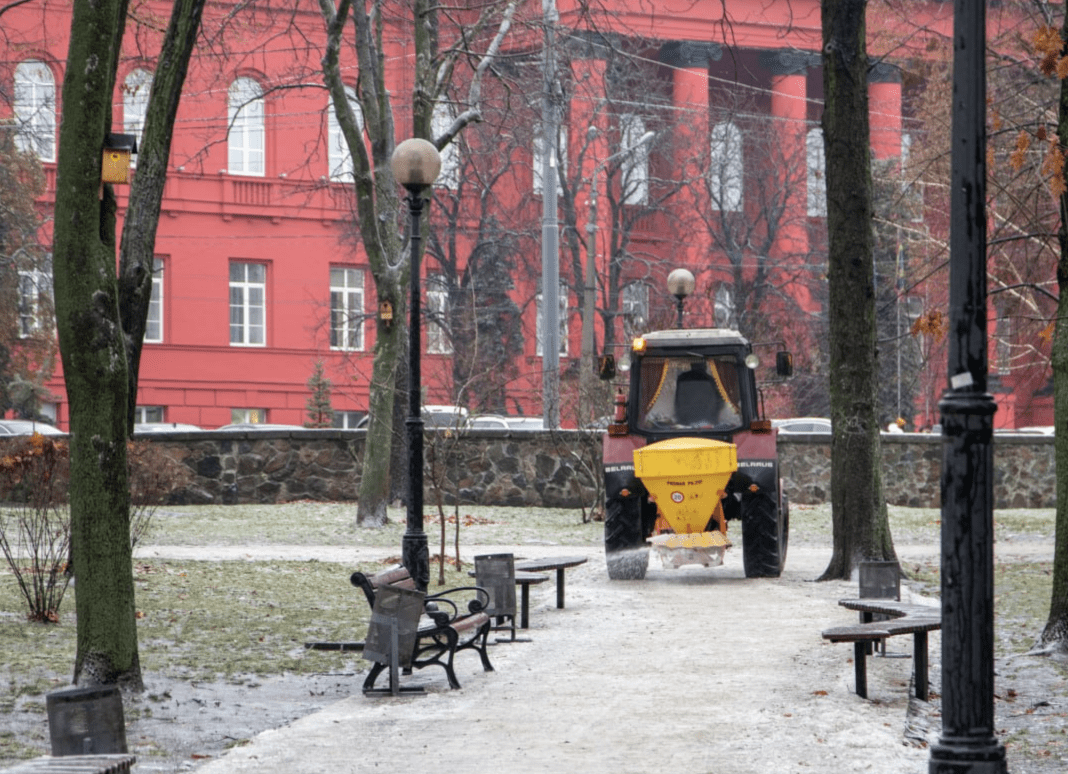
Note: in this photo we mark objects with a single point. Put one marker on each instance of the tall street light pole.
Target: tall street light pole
(550, 245)
(589, 294)
(415, 165)
(967, 742)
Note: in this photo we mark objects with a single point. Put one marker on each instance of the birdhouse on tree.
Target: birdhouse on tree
(118, 148)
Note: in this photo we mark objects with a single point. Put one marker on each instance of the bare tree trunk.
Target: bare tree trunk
(146, 194)
(858, 507)
(1054, 636)
(94, 354)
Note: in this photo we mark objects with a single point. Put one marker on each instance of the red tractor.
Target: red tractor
(688, 452)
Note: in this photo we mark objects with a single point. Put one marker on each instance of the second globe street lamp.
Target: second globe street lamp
(416, 164)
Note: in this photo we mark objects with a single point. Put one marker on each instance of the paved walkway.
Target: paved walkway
(688, 671)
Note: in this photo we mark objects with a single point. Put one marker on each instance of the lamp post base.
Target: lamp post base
(950, 758)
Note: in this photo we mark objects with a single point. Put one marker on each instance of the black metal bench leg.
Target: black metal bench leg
(560, 588)
(920, 660)
(860, 652)
(524, 622)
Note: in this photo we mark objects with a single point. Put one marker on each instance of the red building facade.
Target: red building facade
(259, 275)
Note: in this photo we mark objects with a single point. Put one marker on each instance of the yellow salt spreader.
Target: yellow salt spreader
(686, 478)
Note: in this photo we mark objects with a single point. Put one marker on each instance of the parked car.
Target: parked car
(502, 422)
(819, 425)
(164, 427)
(27, 427)
(260, 426)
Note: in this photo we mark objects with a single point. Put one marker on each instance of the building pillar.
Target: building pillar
(690, 104)
(884, 109)
(789, 111)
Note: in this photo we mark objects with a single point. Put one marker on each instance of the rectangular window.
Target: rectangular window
(346, 308)
(35, 109)
(245, 140)
(347, 420)
(154, 326)
(35, 300)
(438, 341)
(248, 416)
(248, 297)
(540, 350)
(144, 414)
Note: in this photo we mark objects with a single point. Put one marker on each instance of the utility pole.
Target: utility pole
(550, 245)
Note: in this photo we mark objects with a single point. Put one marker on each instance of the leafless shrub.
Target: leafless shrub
(153, 475)
(35, 527)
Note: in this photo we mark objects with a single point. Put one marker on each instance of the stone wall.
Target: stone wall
(516, 468)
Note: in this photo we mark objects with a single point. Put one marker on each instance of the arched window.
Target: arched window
(449, 177)
(35, 109)
(817, 183)
(725, 168)
(341, 166)
(246, 136)
(135, 91)
(635, 164)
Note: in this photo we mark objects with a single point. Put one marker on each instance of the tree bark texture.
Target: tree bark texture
(94, 354)
(860, 523)
(137, 249)
(377, 212)
(1055, 634)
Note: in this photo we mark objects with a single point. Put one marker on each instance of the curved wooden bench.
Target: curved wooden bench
(446, 629)
(916, 620)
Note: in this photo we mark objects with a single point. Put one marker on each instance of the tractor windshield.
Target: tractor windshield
(689, 393)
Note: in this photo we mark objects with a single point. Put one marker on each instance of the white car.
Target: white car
(164, 427)
(27, 427)
(818, 425)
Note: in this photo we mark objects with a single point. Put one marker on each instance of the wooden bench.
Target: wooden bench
(916, 620)
(558, 563)
(447, 627)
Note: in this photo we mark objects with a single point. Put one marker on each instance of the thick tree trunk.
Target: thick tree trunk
(1055, 635)
(94, 354)
(859, 515)
(146, 194)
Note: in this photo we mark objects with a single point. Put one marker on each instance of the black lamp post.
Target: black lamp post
(967, 743)
(415, 165)
(680, 284)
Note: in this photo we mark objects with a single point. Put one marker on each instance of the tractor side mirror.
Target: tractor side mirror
(606, 367)
(784, 364)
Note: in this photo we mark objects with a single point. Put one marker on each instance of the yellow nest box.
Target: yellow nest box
(118, 149)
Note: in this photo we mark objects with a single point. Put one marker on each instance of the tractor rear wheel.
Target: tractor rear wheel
(765, 530)
(624, 541)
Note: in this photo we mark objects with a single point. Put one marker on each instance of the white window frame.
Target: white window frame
(34, 290)
(635, 306)
(347, 420)
(342, 168)
(246, 139)
(635, 163)
(346, 308)
(539, 348)
(440, 121)
(144, 414)
(438, 341)
(135, 91)
(154, 323)
(816, 178)
(250, 416)
(248, 304)
(538, 158)
(35, 109)
(726, 168)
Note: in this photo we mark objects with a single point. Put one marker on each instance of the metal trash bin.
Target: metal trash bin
(86, 721)
(880, 580)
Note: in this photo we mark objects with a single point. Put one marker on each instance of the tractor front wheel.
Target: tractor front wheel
(625, 549)
(765, 529)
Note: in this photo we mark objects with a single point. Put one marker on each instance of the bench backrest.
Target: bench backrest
(369, 584)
